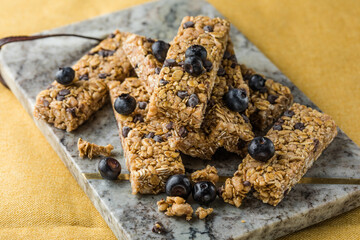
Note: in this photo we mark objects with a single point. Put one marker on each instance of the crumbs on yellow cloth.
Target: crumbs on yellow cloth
(308, 40)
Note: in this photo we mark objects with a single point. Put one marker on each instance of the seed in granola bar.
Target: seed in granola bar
(194, 66)
(125, 131)
(125, 104)
(167, 135)
(236, 99)
(299, 126)
(182, 94)
(204, 192)
(105, 53)
(193, 100)
(138, 118)
(261, 149)
(170, 62)
(109, 168)
(102, 75)
(158, 228)
(72, 111)
(188, 24)
(196, 51)
(272, 98)
(289, 113)
(157, 70)
(160, 49)
(149, 135)
(246, 183)
(208, 28)
(60, 98)
(142, 105)
(64, 92)
(221, 72)
(178, 185)
(65, 75)
(277, 126)
(158, 138)
(208, 65)
(257, 82)
(163, 82)
(183, 132)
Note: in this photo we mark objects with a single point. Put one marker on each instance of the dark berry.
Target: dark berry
(125, 131)
(261, 149)
(60, 97)
(182, 94)
(247, 183)
(193, 100)
(289, 113)
(221, 72)
(194, 66)
(272, 98)
(236, 100)
(163, 82)
(158, 138)
(84, 77)
(109, 168)
(196, 51)
(65, 75)
(169, 126)
(183, 132)
(257, 82)
(299, 126)
(157, 70)
(159, 49)
(208, 28)
(227, 55)
(150, 135)
(64, 92)
(125, 104)
(188, 24)
(208, 65)
(170, 62)
(142, 105)
(204, 192)
(178, 185)
(138, 118)
(72, 111)
(277, 126)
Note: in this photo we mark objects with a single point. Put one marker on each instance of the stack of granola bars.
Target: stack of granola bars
(190, 96)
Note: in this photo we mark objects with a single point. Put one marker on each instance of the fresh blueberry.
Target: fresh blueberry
(194, 66)
(261, 149)
(204, 192)
(125, 104)
(160, 49)
(257, 82)
(197, 51)
(236, 99)
(109, 168)
(178, 185)
(65, 75)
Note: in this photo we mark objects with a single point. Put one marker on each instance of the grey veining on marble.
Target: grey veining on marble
(28, 67)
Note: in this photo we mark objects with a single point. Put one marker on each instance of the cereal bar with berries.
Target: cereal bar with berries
(150, 157)
(188, 76)
(81, 90)
(298, 137)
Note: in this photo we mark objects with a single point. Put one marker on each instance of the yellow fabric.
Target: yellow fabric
(315, 43)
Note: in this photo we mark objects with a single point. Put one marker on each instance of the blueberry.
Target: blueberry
(236, 100)
(188, 24)
(65, 75)
(193, 101)
(178, 185)
(257, 82)
(160, 49)
(109, 168)
(261, 149)
(125, 104)
(194, 66)
(197, 51)
(204, 192)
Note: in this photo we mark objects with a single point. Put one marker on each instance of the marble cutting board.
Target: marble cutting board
(29, 67)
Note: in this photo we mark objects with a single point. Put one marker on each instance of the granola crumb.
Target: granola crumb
(175, 206)
(207, 174)
(203, 212)
(158, 228)
(91, 149)
(243, 221)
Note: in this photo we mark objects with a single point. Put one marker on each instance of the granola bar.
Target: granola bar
(91, 149)
(268, 104)
(67, 107)
(149, 155)
(221, 127)
(299, 137)
(170, 98)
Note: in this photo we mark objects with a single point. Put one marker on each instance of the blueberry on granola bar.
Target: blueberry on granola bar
(261, 149)
(109, 168)
(65, 75)
(178, 185)
(236, 100)
(159, 49)
(125, 104)
(194, 65)
(257, 82)
(196, 51)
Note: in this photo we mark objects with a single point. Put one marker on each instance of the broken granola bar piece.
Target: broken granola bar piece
(207, 174)
(302, 135)
(67, 107)
(183, 95)
(203, 212)
(150, 157)
(175, 206)
(269, 103)
(91, 150)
